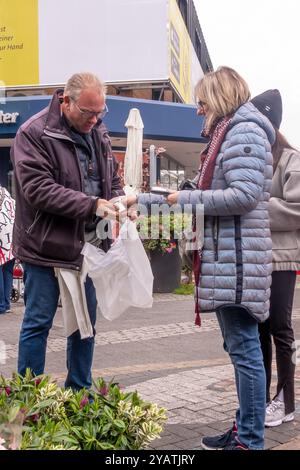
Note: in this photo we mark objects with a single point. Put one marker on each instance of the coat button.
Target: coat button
(247, 149)
(77, 268)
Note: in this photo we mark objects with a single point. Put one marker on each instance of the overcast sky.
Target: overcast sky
(261, 40)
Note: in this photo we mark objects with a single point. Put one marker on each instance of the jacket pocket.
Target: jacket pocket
(59, 239)
(54, 238)
(34, 222)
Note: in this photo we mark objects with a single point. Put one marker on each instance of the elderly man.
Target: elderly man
(65, 173)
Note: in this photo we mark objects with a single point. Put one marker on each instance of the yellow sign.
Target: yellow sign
(19, 61)
(180, 55)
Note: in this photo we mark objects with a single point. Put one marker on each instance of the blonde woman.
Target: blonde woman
(233, 274)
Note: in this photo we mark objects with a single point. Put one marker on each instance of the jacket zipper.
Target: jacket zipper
(216, 237)
(79, 168)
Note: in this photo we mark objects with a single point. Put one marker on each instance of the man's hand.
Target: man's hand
(132, 214)
(106, 209)
(124, 206)
(129, 202)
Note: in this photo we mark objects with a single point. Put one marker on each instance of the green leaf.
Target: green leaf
(106, 428)
(13, 412)
(119, 424)
(105, 446)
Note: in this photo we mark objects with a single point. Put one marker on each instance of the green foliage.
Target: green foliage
(162, 231)
(185, 289)
(49, 417)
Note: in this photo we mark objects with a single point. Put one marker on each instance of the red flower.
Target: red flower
(34, 418)
(84, 402)
(103, 390)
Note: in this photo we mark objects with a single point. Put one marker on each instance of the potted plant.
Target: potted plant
(160, 235)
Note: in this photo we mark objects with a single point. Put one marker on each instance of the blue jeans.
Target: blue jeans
(6, 283)
(241, 341)
(41, 297)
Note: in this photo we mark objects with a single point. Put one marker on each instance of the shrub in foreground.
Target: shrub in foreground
(35, 413)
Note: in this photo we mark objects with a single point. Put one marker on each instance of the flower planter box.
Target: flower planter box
(166, 268)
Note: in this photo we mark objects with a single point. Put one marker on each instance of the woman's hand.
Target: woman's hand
(130, 201)
(127, 201)
(172, 198)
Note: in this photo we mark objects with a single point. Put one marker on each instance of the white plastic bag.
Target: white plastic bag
(122, 277)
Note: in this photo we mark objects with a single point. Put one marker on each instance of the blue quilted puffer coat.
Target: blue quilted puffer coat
(236, 261)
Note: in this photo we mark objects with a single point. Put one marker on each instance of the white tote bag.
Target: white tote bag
(122, 277)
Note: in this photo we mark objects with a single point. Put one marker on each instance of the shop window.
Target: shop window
(164, 172)
(171, 174)
(158, 94)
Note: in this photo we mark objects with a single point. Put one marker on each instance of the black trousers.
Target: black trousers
(279, 326)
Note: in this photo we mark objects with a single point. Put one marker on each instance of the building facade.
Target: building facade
(150, 54)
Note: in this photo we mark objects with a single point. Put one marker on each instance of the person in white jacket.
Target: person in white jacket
(7, 217)
(284, 215)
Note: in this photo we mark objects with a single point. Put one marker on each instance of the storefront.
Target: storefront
(13, 112)
(173, 126)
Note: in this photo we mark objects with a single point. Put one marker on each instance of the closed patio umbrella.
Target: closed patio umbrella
(133, 163)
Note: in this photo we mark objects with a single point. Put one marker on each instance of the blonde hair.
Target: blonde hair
(81, 81)
(223, 91)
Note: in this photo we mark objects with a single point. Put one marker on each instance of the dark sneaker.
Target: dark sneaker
(221, 441)
(235, 444)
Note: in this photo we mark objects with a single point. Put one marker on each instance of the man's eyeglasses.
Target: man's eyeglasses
(201, 104)
(86, 114)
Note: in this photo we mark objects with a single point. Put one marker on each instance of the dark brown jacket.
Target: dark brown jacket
(51, 208)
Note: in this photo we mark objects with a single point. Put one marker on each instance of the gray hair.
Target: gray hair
(81, 81)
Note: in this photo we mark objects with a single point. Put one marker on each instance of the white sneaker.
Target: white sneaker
(275, 414)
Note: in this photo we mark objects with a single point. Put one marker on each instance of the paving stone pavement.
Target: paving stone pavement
(162, 355)
(205, 405)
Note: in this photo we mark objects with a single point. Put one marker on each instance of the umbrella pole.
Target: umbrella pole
(153, 168)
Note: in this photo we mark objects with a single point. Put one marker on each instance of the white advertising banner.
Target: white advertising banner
(120, 40)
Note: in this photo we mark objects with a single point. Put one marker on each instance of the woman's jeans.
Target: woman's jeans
(241, 341)
(6, 283)
(279, 326)
(41, 298)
